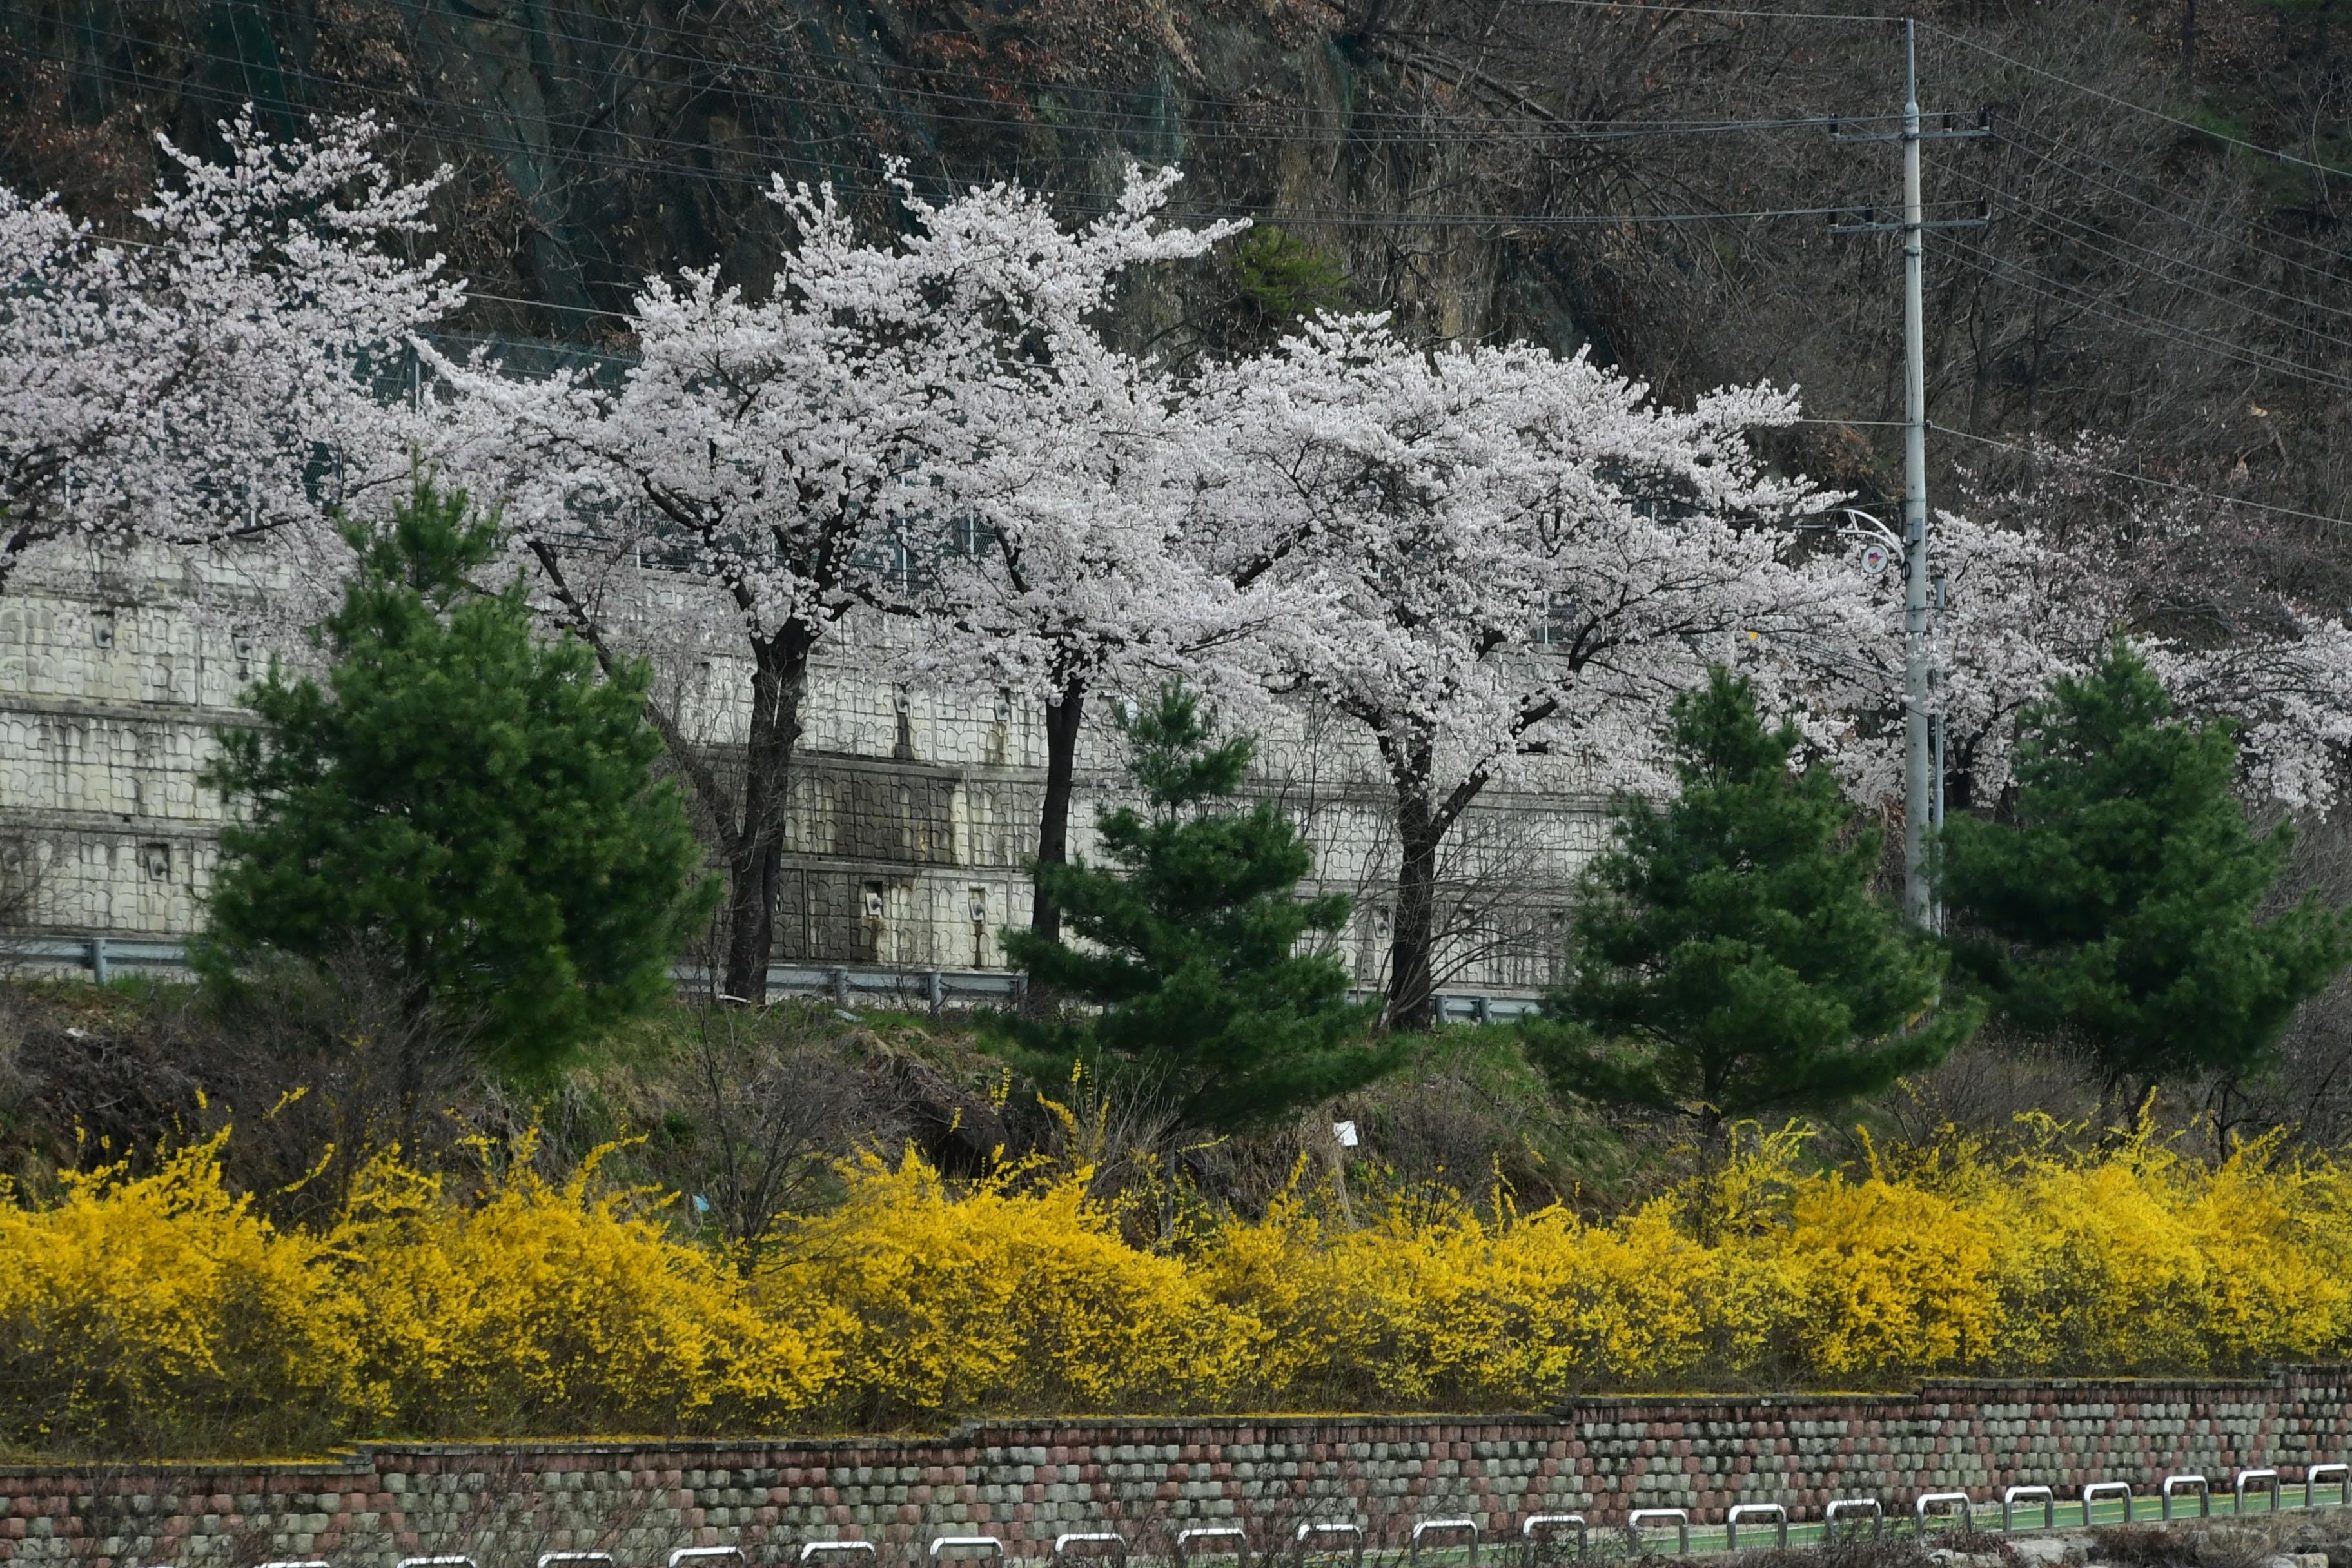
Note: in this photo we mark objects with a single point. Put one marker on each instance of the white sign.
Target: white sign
(1345, 1131)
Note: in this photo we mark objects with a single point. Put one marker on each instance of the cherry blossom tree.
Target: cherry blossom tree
(2040, 577)
(1522, 557)
(784, 456)
(210, 378)
(1076, 571)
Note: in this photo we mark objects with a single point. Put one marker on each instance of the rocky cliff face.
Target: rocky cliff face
(598, 141)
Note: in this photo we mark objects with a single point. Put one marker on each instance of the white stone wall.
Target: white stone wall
(909, 818)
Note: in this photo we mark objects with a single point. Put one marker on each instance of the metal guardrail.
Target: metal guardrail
(1537, 1526)
(2042, 1494)
(1774, 1511)
(1316, 1532)
(1677, 1517)
(1443, 1527)
(1066, 1544)
(1854, 1508)
(1929, 1503)
(844, 984)
(1231, 1540)
(1346, 1538)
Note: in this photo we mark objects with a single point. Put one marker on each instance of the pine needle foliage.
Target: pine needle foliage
(2120, 906)
(1188, 939)
(1731, 959)
(472, 804)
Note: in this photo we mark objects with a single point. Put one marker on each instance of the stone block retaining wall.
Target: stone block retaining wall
(1024, 1482)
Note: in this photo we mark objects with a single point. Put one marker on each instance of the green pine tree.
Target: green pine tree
(1190, 940)
(2119, 908)
(1730, 958)
(471, 805)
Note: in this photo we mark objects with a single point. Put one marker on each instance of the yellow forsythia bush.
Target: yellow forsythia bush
(552, 1308)
(159, 1308)
(142, 1308)
(1011, 1293)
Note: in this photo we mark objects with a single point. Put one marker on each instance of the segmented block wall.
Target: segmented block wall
(1024, 1482)
(912, 813)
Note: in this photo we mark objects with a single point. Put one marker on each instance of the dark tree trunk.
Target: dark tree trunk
(779, 682)
(1062, 716)
(1412, 933)
(2189, 43)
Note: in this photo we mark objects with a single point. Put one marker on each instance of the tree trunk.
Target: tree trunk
(1413, 932)
(1062, 716)
(779, 682)
(2189, 43)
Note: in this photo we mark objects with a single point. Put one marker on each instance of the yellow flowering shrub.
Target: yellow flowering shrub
(159, 1303)
(1893, 1278)
(1452, 1309)
(1011, 1293)
(2145, 1261)
(543, 1308)
(162, 1309)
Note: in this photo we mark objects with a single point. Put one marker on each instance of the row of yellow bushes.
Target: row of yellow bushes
(158, 1309)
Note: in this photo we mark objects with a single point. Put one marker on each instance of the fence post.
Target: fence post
(1442, 1526)
(1678, 1517)
(1771, 1511)
(1239, 1549)
(1536, 1526)
(2043, 1495)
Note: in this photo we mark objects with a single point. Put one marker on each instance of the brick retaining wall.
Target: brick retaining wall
(1025, 1481)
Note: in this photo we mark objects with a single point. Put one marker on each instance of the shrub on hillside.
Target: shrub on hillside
(160, 1313)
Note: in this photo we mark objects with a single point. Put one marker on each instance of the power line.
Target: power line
(2123, 315)
(1714, 11)
(2235, 237)
(2120, 102)
(2095, 239)
(2153, 326)
(1354, 218)
(2072, 461)
(1352, 121)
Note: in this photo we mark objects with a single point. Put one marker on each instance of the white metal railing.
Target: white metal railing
(1314, 1533)
(1442, 1526)
(2042, 1494)
(1066, 1546)
(2175, 1485)
(1536, 1526)
(1233, 1542)
(1928, 1503)
(1349, 1539)
(1774, 1511)
(1677, 1517)
(1852, 1508)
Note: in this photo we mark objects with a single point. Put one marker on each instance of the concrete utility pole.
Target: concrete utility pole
(1922, 783)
